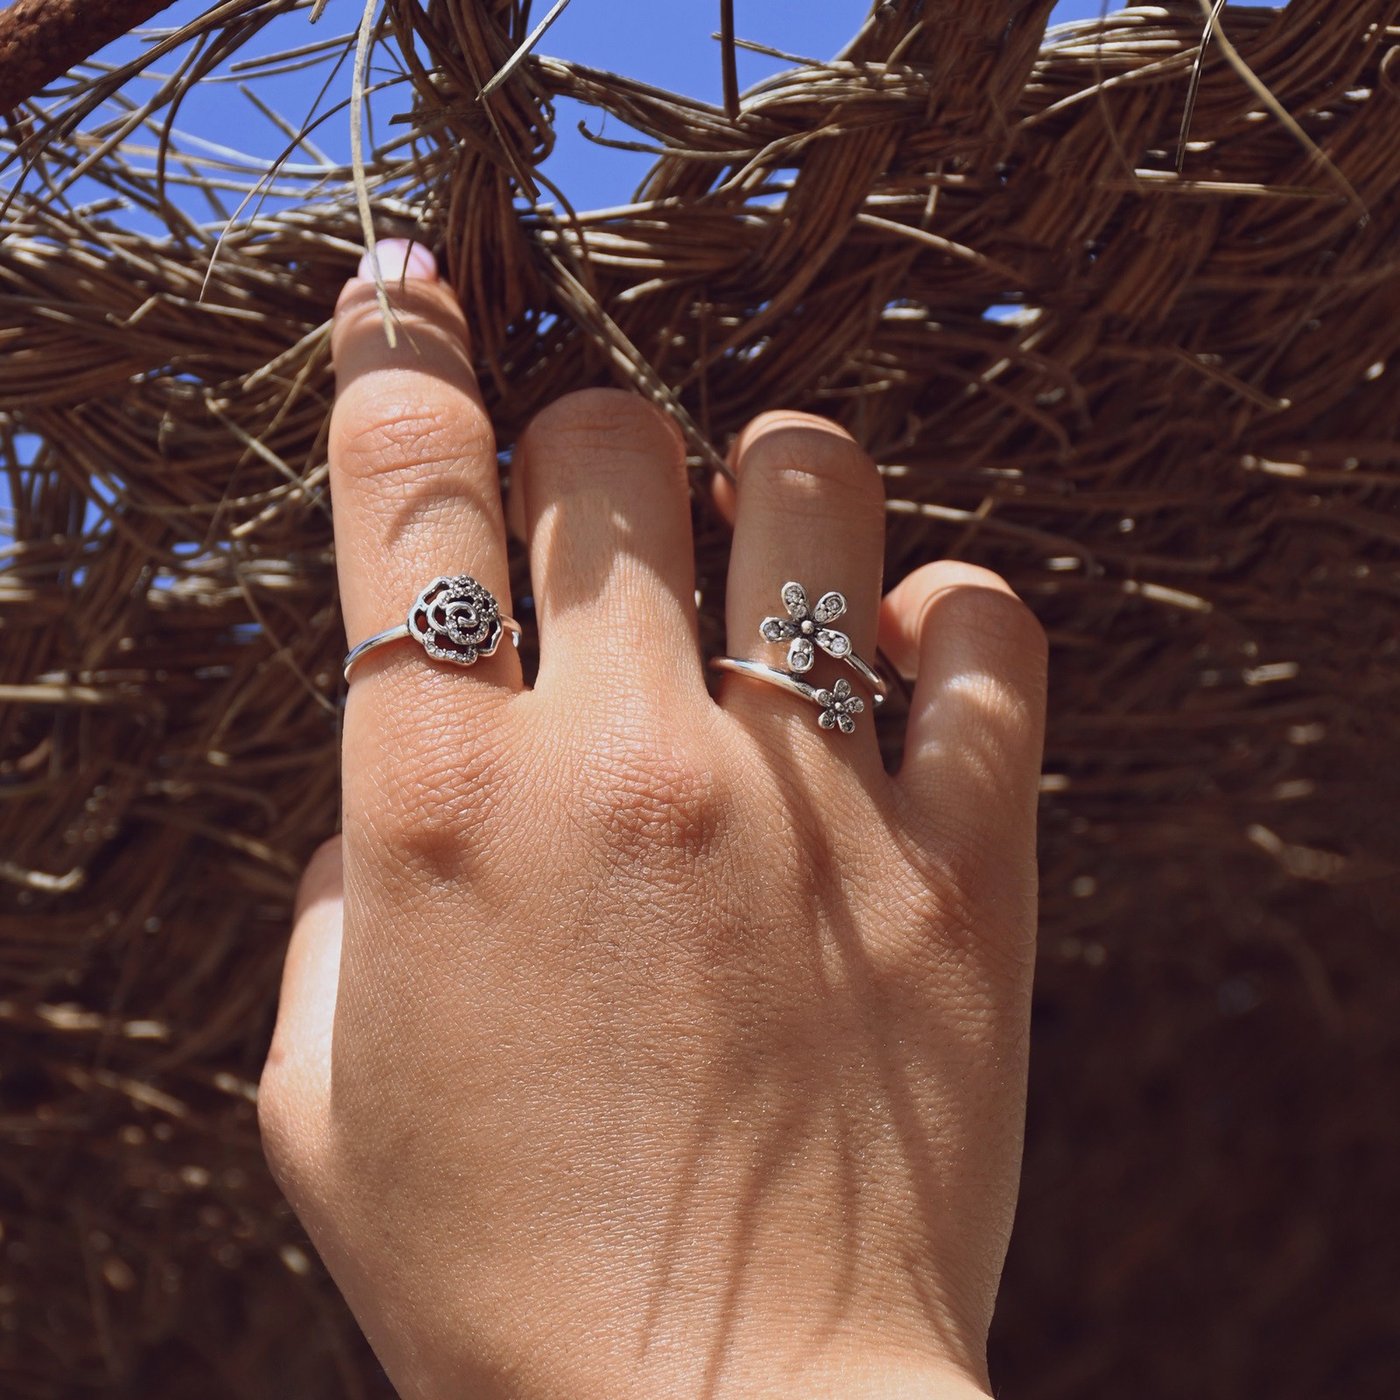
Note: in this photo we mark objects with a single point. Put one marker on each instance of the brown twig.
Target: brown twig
(731, 71)
(40, 40)
(1181, 445)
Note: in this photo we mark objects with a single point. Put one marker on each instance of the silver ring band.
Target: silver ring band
(879, 686)
(454, 619)
(839, 705)
(401, 632)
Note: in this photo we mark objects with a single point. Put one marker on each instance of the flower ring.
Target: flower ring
(839, 707)
(453, 619)
(456, 619)
(803, 628)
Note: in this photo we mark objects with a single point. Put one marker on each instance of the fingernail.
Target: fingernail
(399, 258)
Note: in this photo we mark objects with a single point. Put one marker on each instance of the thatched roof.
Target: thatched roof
(1181, 446)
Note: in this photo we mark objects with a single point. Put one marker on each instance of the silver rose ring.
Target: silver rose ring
(453, 619)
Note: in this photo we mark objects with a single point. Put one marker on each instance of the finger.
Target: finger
(295, 1088)
(414, 480)
(977, 718)
(810, 510)
(606, 506)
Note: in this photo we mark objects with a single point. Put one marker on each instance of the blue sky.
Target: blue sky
(667, 43)
(664, 42)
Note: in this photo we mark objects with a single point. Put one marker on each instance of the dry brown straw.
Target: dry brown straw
(1177, 438)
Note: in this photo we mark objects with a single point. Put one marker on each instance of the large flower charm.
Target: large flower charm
(456, 619)
(839, 707)
(803, 628)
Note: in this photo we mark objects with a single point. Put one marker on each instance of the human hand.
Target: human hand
(634, 1043)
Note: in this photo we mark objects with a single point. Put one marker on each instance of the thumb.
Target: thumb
(296, 1080)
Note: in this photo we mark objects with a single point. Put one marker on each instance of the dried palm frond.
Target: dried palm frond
(1115, 309)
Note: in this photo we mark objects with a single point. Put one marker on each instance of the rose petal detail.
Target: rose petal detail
(829, 607)
(493, 638)
(456, 619)
(463, 656)
(464, 623)
(795, 600)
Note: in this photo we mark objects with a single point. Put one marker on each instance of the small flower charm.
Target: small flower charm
(839, 707)
(803, 627)
(456, 619)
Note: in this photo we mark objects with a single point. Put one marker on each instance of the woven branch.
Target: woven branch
(40, 40)
(1151, 381)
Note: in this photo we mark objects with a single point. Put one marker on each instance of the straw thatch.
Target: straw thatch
(1181, 448)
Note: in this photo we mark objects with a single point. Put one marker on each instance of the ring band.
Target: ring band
(879, 686)
(453, 619)
(838, 706)
(805, 630)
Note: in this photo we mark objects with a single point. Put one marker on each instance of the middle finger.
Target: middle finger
(607, 512)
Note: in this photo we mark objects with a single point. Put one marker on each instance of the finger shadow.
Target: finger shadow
(605, 559)
(841, 1008)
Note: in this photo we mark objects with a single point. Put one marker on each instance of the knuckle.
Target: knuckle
(422, 823)
(414, 835)
(966, 898)
(596, 427)
(406, 436)
(802, 460)
(654, 796)
(942, 869)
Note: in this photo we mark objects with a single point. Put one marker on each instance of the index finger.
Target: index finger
(414, 483)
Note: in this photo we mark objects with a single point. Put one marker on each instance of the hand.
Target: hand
(634, 1043)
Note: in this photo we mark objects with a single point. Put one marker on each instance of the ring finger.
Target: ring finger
(809, 510)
